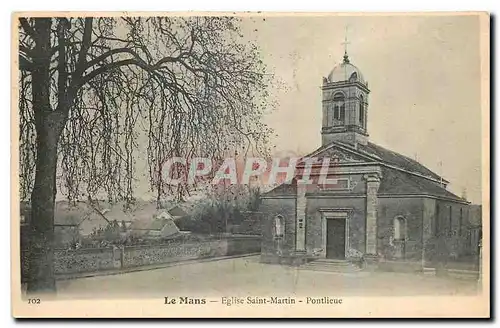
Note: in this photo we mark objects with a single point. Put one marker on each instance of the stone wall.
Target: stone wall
(84, 260)
(147, 255)
(411, 209)
(102, 259)
(272, 248)
(430, 232)
(448, 240)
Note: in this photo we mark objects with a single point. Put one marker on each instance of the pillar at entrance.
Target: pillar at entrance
(300, 242)
(372, 185)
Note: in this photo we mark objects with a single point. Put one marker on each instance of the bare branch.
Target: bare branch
(25, 64)
(27, 27)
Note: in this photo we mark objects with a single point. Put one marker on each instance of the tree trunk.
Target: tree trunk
(41, 240)
(49, 125)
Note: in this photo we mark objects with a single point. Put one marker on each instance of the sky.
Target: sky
(423, 73)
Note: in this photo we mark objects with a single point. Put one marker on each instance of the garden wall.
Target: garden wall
(102, 259)
(85, 260)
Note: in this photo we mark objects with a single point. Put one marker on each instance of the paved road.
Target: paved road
(246, 276)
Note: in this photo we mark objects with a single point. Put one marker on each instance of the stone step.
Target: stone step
(330, 266)
(329, 263)
(331, 269)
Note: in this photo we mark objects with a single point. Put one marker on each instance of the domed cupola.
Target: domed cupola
(345, 72)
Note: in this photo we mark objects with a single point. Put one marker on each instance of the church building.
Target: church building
(383, 205)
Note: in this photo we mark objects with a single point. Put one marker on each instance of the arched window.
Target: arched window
(339, 107)
(361, 111)
(354, 77)
(329, 115)
(279, 226)
(399, 228)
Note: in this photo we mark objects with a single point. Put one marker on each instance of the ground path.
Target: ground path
(246, 276)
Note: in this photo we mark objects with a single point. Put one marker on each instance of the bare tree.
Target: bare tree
(93, 90)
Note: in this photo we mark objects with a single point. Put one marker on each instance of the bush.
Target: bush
(221, 210)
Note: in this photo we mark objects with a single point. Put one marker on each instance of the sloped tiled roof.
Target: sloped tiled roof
(394, 181)
(378, 153)
(397, 182)
(72, 214)
(145, 224)
(395, 159)
(132, 212)
(283, 189)
(177, 211)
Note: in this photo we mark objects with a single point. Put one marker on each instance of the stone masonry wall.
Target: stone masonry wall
(411, 209)
(102, 259)
(147, 255)
(448, 237)
(273, 248)
(85, 260)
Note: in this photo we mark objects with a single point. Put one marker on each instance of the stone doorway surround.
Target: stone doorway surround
(334, 214)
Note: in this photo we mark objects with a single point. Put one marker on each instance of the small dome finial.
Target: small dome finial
(345, 43)
(346, 58)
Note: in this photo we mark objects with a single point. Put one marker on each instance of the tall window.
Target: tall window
(279, 228)
(361, 111)
(339, 107)
(450, 224)
(399, 228)
(461, 221)
(329, 116)
(436, 222)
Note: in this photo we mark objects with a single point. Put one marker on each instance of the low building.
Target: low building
(177, 212)
(73, 220)
(156, 227)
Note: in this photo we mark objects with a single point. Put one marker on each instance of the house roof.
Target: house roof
(151, 221)
(118, 213)
(177, 211)
(157, 228)
(74, 213)
(145, 224)
(130, 212)
(155, 223)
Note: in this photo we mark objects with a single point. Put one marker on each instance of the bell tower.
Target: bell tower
(345, 104)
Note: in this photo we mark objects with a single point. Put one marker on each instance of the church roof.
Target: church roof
(393, 158)
(383, 155)
(397, 182)
(345, 72)
(400, 174)
(283, 189)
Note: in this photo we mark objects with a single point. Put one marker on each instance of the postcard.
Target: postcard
(271, 165)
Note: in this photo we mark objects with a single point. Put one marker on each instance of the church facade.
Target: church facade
(377, 206)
